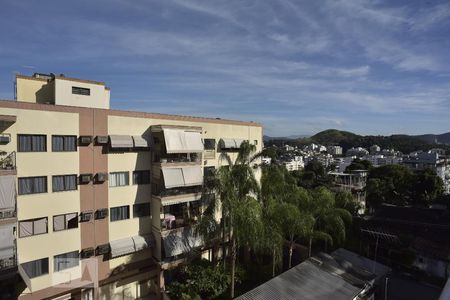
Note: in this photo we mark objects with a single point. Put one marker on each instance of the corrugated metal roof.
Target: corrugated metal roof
(305, 281)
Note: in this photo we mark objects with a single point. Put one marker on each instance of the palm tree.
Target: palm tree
(237, 188)
(272, 238)
(329, 220)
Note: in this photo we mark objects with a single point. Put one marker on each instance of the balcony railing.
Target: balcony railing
(178, 158)
(8, 263)
(7, 160)
(178, 191)
(7, 214)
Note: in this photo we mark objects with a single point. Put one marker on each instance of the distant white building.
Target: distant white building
(359, 151)
(334, 150)
(294, 164)
(289, 148)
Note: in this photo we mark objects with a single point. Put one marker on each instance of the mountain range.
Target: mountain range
(345, 139)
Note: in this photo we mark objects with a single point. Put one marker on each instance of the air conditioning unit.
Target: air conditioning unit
(87, 252)
(102, 140)
(85, 140)
(101, 177)
(5, 139)
(101, 213)
(102, 249)
(85, 178)
(85, 216)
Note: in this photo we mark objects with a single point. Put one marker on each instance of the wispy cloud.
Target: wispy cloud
(296, 66)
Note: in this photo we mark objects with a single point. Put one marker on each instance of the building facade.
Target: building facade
(98, 203)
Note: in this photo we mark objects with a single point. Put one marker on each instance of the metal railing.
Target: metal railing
(6, 214)
(8, 263)
(7, 160)
(178, 191)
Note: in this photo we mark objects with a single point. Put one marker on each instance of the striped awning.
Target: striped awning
(130, 245)
(182, 176)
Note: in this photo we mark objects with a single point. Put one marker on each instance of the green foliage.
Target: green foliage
(200, 280)
(345, 200)
(358, 164)
(312, 176)
(398, 185)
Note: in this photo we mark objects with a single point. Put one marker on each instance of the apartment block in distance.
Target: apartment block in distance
(98, 203)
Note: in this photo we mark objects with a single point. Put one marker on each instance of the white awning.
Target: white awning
(141, 142)
(121, 141)
(192, 175)
(182, 176)
(7, 192)
(181, 199)
(238, 142)
(122, 247)
(230, 143)
(227, 143)
(193, 141)
(180, 141)
(173, 177)
(142, 242)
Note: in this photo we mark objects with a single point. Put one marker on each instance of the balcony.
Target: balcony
(7, 163)
(8, 260)
(180, 241)
(6, 121)
(8, 263)
(180, 215)
(178, 158)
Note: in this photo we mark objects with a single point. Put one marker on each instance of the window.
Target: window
(32, 143)
(118, 179)
(81, 91)
(32, 185)
(32, 227)
(66, 221)
(210, 144)
(256, 142)
(120, 213)
(141, 210)
(36, 268)
(65, 261)
(62, 143)
(64, 183)
(141, 177)
(208, 172)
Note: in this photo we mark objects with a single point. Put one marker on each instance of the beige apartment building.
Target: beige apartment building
(97, 203)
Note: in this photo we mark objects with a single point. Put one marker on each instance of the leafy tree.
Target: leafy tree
(345, 200)
(237, 187)
(398, 185)
(358, 164)
(329, 220)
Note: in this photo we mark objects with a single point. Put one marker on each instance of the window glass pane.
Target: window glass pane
(120, 213)
(58, 223)
(141, 177)
(39, 184)
(210, 144)
(141, 210)
(25, 228)
(72, 221)
(25, 186)
(36, 268)
(38, 143)
(24, 143)
(58, 183)
(40, 226)
(57, 143)
(65, 261)
(118, 179)
(70, 143)
(70, 182)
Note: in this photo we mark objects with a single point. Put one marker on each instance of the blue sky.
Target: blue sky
(371, 67)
